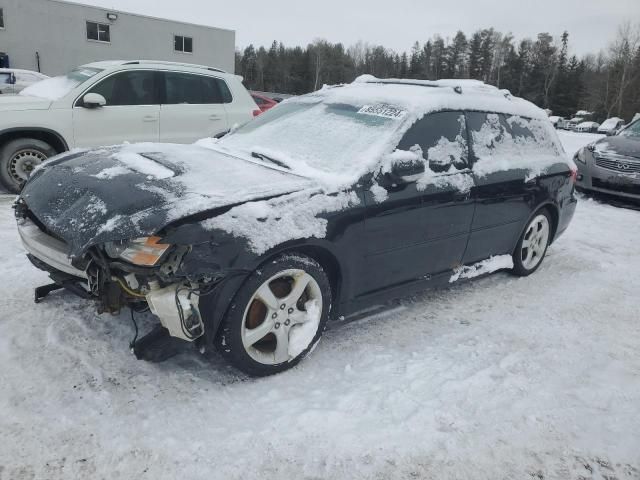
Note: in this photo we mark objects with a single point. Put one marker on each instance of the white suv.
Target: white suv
(112, 102)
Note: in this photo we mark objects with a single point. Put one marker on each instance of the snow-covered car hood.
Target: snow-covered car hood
(21, 102)
(115, 193)
(619, 145)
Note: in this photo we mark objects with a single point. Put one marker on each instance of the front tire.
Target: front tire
(533, 244)
(18, 158)
(277, 316)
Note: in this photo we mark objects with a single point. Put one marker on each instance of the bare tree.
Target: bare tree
(624, 72)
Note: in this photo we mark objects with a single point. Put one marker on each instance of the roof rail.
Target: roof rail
(176, 64)
(417, 83)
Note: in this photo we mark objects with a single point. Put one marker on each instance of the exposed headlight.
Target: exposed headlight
(145, 251)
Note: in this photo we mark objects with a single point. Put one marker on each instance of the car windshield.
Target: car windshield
(57, 87)
(5, 77)
(318, 139)
(632, 130)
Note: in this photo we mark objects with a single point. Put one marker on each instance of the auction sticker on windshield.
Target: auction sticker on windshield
(382, 110)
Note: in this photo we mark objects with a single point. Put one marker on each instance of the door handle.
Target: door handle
(149, 118)
(214, 117)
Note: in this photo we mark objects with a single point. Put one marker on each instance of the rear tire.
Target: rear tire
(532, 246)
(277, 316)
(18, 158)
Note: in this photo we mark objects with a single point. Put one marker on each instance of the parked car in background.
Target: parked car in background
(106, 103)
(587, 127)
(557, 122)
(319, 208)
(14, 80)
(611, 126)
(612, 164)
(573, 123)
(264, 103)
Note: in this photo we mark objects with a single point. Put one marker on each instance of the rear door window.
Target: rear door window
(185, 88)
(129, 88)
(441, 140)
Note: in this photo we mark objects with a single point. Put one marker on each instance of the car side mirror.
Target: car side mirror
(402, 174)
(93, 100)
(12, 79)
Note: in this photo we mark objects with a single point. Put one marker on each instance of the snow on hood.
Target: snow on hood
(52, 88)
(619, 145)
(130, 191)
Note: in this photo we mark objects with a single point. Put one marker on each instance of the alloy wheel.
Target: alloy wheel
(535, 242)
(281, 318)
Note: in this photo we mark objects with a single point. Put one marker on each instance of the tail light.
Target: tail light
(256, 112)
(574, 175)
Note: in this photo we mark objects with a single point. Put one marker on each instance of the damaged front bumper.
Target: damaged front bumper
(114, 284)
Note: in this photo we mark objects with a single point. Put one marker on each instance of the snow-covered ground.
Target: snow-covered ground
(501, 377)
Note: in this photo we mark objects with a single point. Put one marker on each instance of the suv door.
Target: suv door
(193, 107)
(503, 192)
(418, 225)
(131, 114)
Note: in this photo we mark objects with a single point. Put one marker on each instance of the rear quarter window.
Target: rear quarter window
(503, 142)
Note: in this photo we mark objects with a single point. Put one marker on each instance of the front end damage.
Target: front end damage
(141, 274)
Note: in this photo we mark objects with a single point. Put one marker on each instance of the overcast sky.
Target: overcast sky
(592, 24)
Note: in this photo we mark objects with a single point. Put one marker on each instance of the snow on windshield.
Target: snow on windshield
(57, 87)
(330, 142)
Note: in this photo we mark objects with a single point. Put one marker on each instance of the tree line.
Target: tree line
(541, 70)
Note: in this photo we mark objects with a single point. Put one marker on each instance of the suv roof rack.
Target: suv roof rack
(177, 64)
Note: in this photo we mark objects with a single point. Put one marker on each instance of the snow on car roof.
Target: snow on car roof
(419, 97)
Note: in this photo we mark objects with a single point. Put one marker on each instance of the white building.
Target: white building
(53, 36)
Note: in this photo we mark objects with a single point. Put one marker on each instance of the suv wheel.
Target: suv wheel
(277, 316)
(18, 158)
(532, 245)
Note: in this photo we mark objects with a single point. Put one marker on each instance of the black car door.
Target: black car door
(419, 213)
(502, 192)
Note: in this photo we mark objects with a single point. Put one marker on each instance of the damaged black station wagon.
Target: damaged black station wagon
(321, 207)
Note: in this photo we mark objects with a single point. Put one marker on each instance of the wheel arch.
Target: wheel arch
(328, 260)
(47, 135)
(553, 211)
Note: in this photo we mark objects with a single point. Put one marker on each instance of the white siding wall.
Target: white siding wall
(57, 31)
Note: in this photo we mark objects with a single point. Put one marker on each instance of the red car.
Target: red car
(264, 103)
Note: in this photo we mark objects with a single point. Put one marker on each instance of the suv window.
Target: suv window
(194, 89)
(441, 139)
(136, 87)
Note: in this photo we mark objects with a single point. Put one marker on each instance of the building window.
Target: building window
(182, 44)
(98, 32)
(1, 18)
